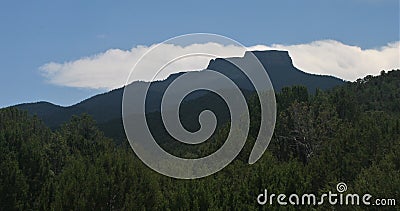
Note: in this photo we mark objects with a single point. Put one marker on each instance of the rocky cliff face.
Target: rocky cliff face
(280, 69)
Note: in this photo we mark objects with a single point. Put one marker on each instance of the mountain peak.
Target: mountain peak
(272, 57)
(269, 58)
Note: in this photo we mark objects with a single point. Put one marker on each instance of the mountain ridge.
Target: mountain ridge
(108, 106)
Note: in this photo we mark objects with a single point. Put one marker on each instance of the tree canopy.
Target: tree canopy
(347, 134)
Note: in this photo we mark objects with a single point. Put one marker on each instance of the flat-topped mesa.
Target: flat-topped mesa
(270, 58)
(280, 69)
(273, 58)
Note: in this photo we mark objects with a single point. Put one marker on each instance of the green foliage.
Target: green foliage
(348, 134)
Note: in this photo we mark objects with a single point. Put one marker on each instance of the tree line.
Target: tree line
(347, 134)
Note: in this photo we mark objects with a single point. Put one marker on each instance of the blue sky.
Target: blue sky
(34, 33)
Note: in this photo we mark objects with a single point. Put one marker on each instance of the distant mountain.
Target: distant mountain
(281, 71)
(107, 107)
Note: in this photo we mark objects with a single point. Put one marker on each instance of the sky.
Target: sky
(47, 44)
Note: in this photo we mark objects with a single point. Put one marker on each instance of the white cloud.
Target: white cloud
(331, 57)
(111, 69)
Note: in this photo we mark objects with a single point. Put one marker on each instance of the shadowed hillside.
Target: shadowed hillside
(349, 134)
(106, 107)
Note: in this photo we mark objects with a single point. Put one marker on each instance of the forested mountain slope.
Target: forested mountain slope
(347, 134)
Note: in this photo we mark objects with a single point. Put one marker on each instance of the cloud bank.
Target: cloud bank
(111, 69)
